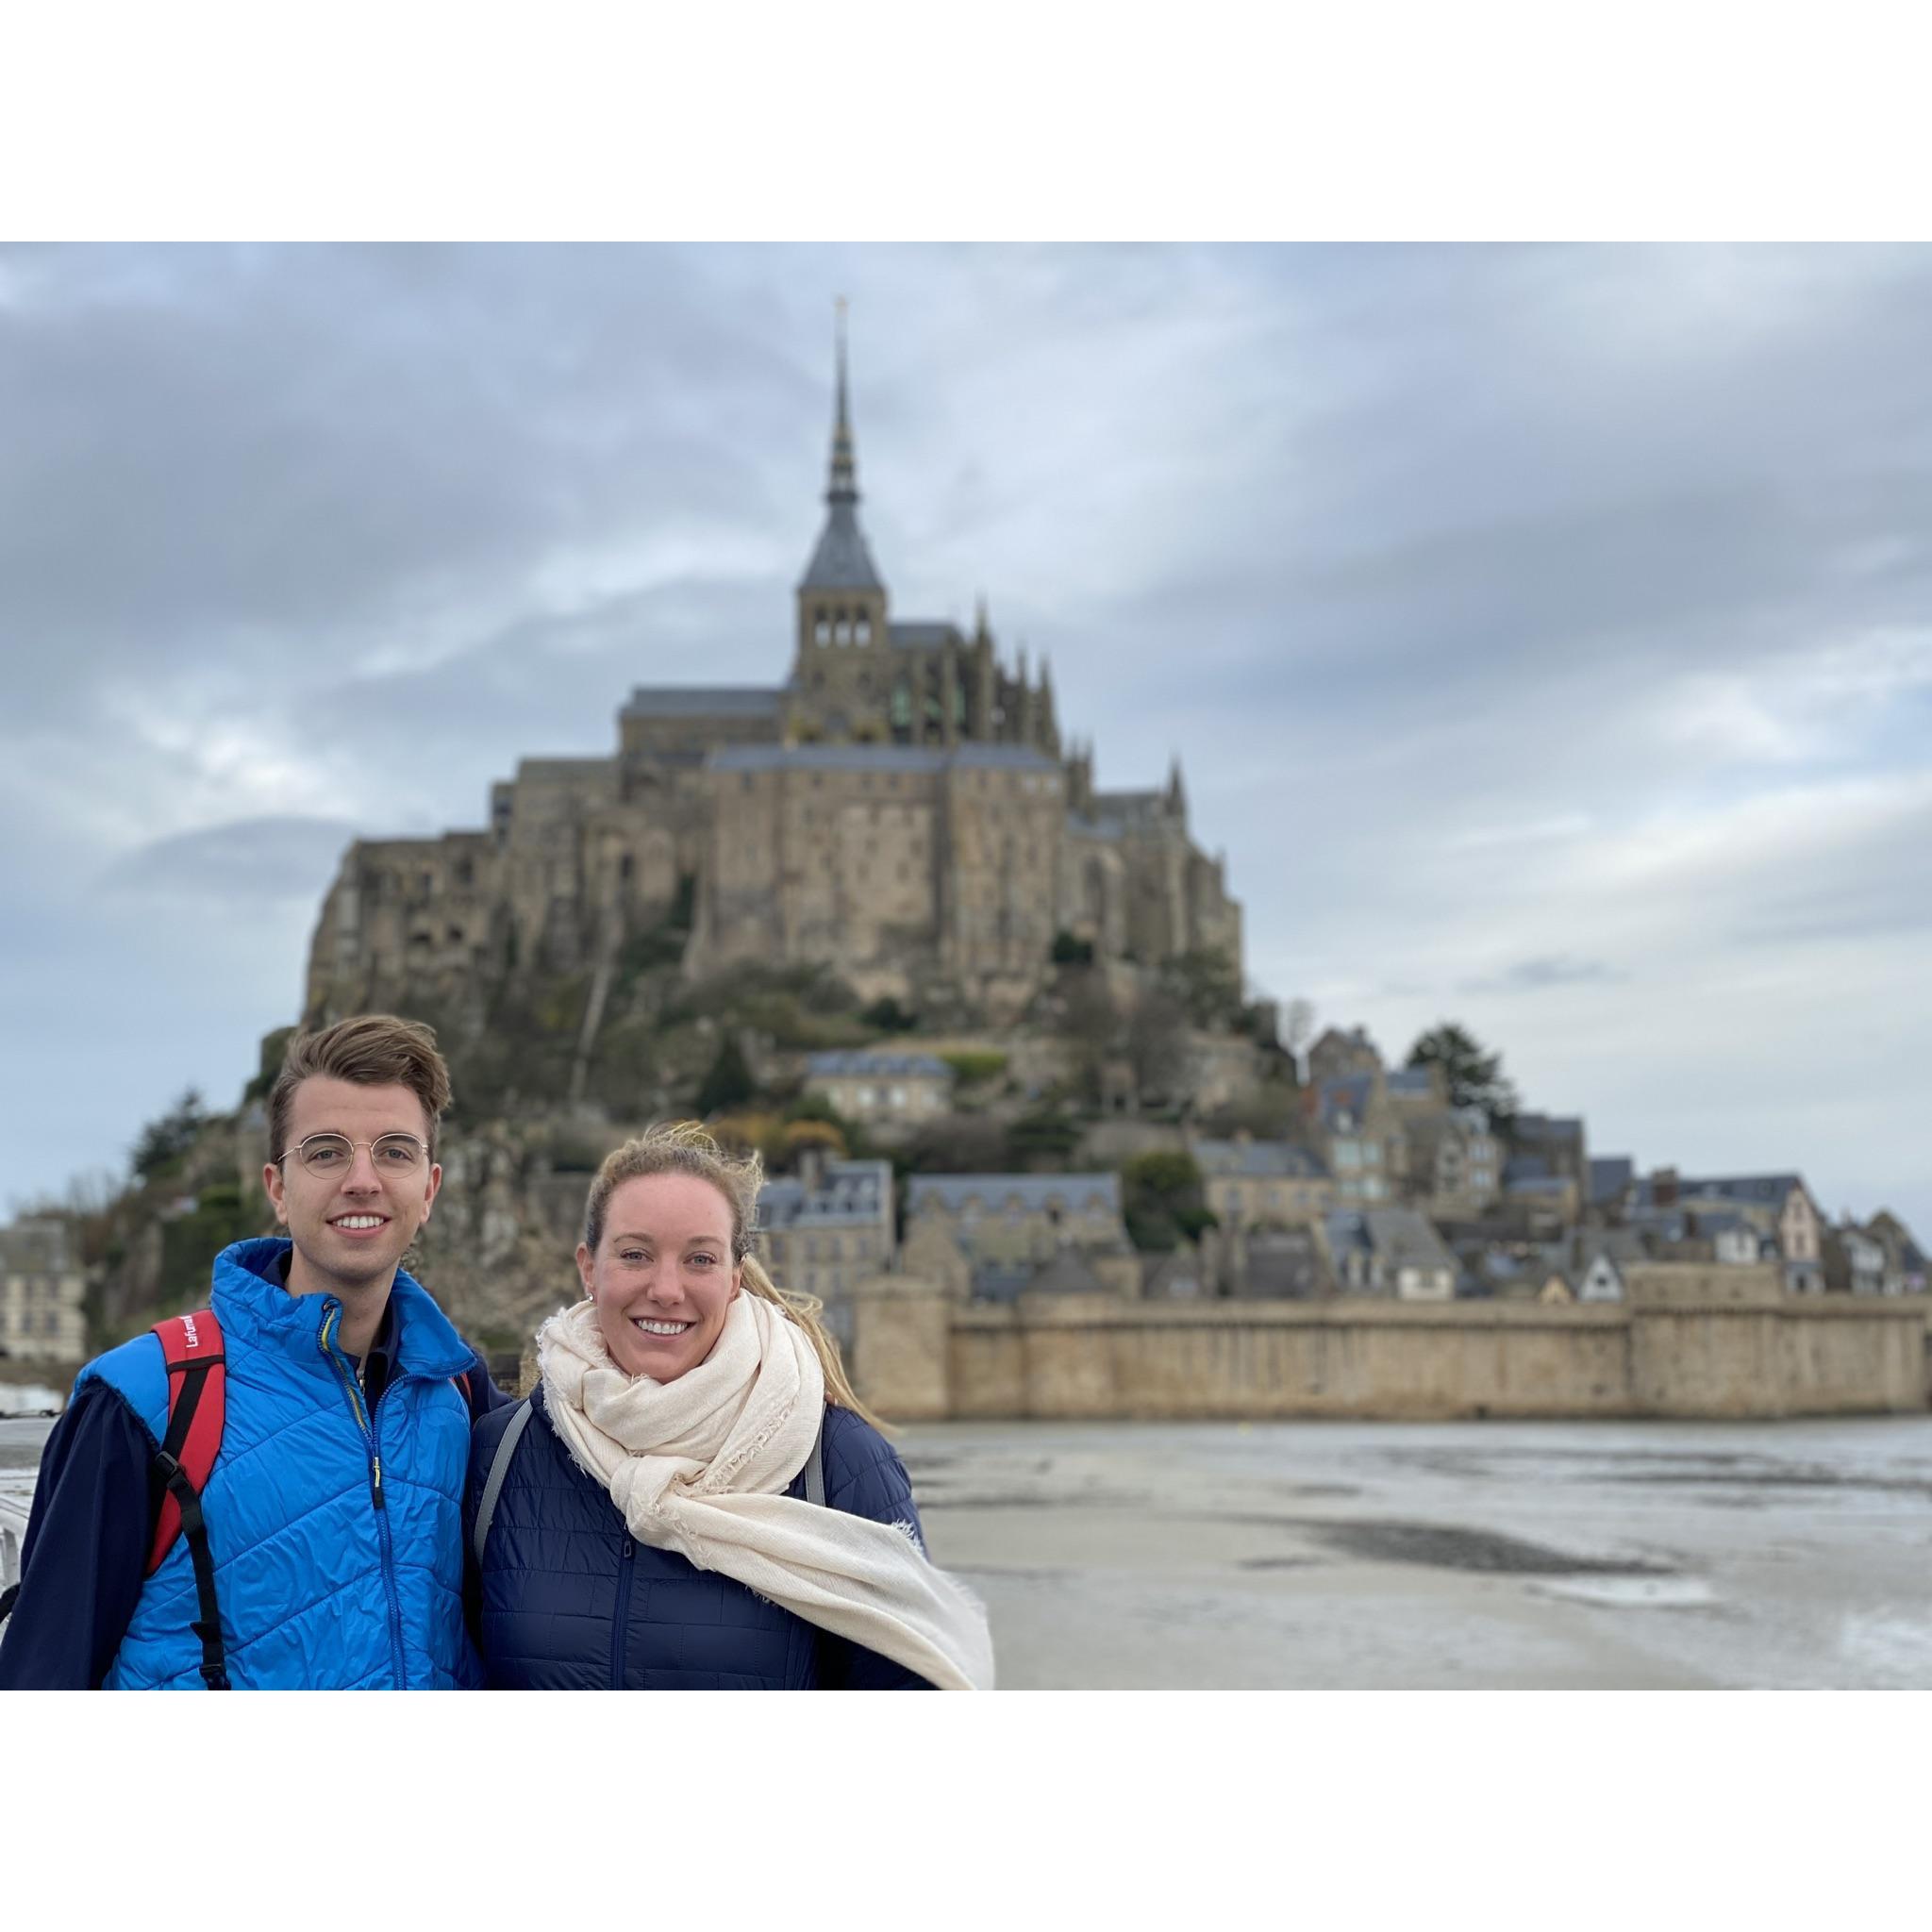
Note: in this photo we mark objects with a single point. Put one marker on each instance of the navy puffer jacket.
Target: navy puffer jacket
(568, 1600)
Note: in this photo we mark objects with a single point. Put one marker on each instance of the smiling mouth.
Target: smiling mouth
(659, 1328)
(359, 1224)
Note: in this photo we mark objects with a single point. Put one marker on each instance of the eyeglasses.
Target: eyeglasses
(330, 1154)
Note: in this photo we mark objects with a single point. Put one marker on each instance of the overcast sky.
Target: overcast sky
(1546, 633)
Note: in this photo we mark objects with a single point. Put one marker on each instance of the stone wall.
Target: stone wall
(1093, 1357)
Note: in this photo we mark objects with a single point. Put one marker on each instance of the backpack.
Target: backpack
(507, 1447)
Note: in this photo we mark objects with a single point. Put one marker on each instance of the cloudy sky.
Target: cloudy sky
(1546, 633)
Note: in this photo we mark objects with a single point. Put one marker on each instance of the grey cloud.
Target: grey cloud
(246, 863)
(1533, 976)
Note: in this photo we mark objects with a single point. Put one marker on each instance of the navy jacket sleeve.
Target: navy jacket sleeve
(85, 1556)
(865, 1477)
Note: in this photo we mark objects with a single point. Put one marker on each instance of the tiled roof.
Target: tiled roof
(1258, 1159)
(866, 1063)
(705, 701)
(1031, 1191)
(878, 757)
(848, 1192)
(921, 634)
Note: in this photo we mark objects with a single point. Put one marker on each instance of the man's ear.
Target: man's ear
(429, 1196)
(271, 1187)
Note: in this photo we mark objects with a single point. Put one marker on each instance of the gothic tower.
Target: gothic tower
(841, 674)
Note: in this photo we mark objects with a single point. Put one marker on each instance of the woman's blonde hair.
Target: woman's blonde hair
(685, 1147)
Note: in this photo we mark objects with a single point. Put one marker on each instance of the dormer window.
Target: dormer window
(861, 631)
(822, 632)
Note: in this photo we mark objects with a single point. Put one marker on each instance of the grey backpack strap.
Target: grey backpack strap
(815, 1469)
(499, 1468)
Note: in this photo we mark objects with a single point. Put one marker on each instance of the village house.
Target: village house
(1354, 1130)
(42, 1294)
(1454, 1163)
(881, 1089)
(1252, 1183)
(1779, 1204)
(827, 1229)
(1388, 1251)
(990, 1235)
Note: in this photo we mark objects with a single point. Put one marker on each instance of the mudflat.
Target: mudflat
(1650, 1555)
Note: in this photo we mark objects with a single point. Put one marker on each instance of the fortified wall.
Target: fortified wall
(918, 1356)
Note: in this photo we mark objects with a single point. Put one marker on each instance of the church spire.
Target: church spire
(842, 561)
(843, 486)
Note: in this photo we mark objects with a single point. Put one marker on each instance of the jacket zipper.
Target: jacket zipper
(620, 1624)
(331, 1319)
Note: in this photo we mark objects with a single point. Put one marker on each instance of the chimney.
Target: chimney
(1663, 1187)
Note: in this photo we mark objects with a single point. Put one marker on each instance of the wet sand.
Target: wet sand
(1442, 1555)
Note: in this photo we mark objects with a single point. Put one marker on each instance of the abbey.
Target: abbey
(902, 808)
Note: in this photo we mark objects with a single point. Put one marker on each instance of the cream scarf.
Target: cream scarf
(699, 1465)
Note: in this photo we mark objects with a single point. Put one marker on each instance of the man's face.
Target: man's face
(352, 1225)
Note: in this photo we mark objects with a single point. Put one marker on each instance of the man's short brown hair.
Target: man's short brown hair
(371, 1050)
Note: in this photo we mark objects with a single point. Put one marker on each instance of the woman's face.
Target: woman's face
(662, 1276)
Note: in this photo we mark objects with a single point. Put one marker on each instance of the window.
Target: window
(861, 631)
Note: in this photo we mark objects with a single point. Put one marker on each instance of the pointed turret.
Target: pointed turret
(1176, 792)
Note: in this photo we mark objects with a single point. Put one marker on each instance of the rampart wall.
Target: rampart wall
(916, 1354)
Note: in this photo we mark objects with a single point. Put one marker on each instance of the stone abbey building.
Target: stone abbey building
(902, 808)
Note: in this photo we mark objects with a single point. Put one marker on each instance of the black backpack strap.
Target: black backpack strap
(499, 1468)
(214, 1659)
(815, 1467)
(8, 1598)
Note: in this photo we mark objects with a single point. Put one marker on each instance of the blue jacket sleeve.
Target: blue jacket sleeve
(865, 1477)
(85, 1556)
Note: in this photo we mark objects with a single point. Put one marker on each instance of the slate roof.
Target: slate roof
(1258, 1160)
(848, 1192)
(842, 561)
(878, 757)
(1033, 1191)
(924, 634)
(1546, 1127)
(1350, 1094)
(1410, 1083)
(1753, 1190)
(1610, 1176)
(866, 1064)
(705, 701)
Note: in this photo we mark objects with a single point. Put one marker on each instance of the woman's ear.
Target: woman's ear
(737, 1282)
(584, 1269)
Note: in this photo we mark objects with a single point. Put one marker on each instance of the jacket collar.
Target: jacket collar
(249, 1296)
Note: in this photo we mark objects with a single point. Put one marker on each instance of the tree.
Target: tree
(164, 1142)
(1163, 1201)
(1207, 983)
(729, 1083)
(1475, 1078)
(1297, 1029)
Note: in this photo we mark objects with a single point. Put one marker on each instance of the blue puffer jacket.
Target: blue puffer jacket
(337, 1535)
(568, 1601)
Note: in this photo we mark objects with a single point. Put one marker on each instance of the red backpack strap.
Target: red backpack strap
(197, 1409)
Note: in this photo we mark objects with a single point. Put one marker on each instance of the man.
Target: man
(333, 1511)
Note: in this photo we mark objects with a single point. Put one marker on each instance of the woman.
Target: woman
(650, 1527)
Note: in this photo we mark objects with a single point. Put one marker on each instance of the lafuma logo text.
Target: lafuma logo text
(189, 1338)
